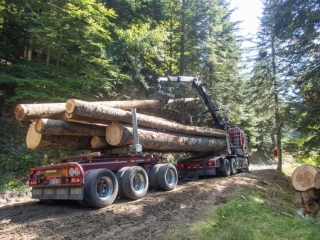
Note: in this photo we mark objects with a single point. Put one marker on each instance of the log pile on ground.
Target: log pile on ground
(80, 125)
(306, 181)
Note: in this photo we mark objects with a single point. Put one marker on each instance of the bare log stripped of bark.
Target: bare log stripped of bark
(121, 135)
(59, 127)
(99, 143)
(38, 141)
(306, 177)
(107, 114)
(127, 105)
(34, 111)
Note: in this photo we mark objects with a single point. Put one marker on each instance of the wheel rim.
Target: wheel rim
(138, 182)
(104, 187)
(170, 177)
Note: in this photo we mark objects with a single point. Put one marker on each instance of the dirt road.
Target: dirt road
(149, 218)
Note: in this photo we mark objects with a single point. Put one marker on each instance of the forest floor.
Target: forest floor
(153, 217)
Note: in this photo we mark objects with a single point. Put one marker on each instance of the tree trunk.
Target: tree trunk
(305, 197)
(306, 177)
(38, 141)
(35, 111)
(122, 135)
(107, 114)
(58, 127)
(99, 143)
(127, 105)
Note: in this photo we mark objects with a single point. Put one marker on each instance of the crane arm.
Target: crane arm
(199, 86)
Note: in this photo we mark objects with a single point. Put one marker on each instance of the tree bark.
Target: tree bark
(58, 127)
(72, 104)
(38, 141)
(122, 135)
(306, 177)
(107, 114)
(314, 193)
(35, 111)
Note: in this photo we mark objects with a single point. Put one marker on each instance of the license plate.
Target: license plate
(55, 181)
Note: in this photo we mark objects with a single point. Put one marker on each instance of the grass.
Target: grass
(249, 219)
(264, 209)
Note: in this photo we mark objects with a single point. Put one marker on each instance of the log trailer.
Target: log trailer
(96, 180)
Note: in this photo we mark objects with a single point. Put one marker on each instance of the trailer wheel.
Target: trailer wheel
(101, 188)
(233, 166)
(167, 177)
(135, 183)
(153, 176)
(83, 202)
(119, 176)
(225, 168)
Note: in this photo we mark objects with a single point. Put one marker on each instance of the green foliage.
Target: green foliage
(297, 28)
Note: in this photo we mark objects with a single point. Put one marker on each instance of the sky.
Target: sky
(248, 11)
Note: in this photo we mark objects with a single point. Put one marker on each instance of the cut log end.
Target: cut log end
(99, 143)
(114, 134)
(33, 138)
(311, 206)
(19, 112)
(305, 177)
(70, 105)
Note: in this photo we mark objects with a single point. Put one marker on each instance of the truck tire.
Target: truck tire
(153, 176)
(83, 202)
(167, 177)
(233, 166)
(225, 167)
(101, 188)
(135, 183)
(119, 176)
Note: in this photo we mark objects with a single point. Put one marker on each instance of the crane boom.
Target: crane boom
(199, 86)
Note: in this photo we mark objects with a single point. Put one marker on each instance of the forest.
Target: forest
(98, 50)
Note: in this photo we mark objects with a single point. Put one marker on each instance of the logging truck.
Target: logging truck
(120, 170)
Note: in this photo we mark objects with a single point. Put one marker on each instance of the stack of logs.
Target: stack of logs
(306, 181)
(80, 125)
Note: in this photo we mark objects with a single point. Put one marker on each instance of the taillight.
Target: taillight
(180, 165)
(75, 180)
(33, 182)
(213, 163)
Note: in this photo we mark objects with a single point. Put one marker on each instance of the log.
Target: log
(311, 206)
(99, 142)
(314, 193)
(107, 114)
(121, 135)
(298, 197)
(59, 127)
(305, 197)
(306, 177)
(35, 111)
(38, 141)
(24, 112)
(71, 104)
